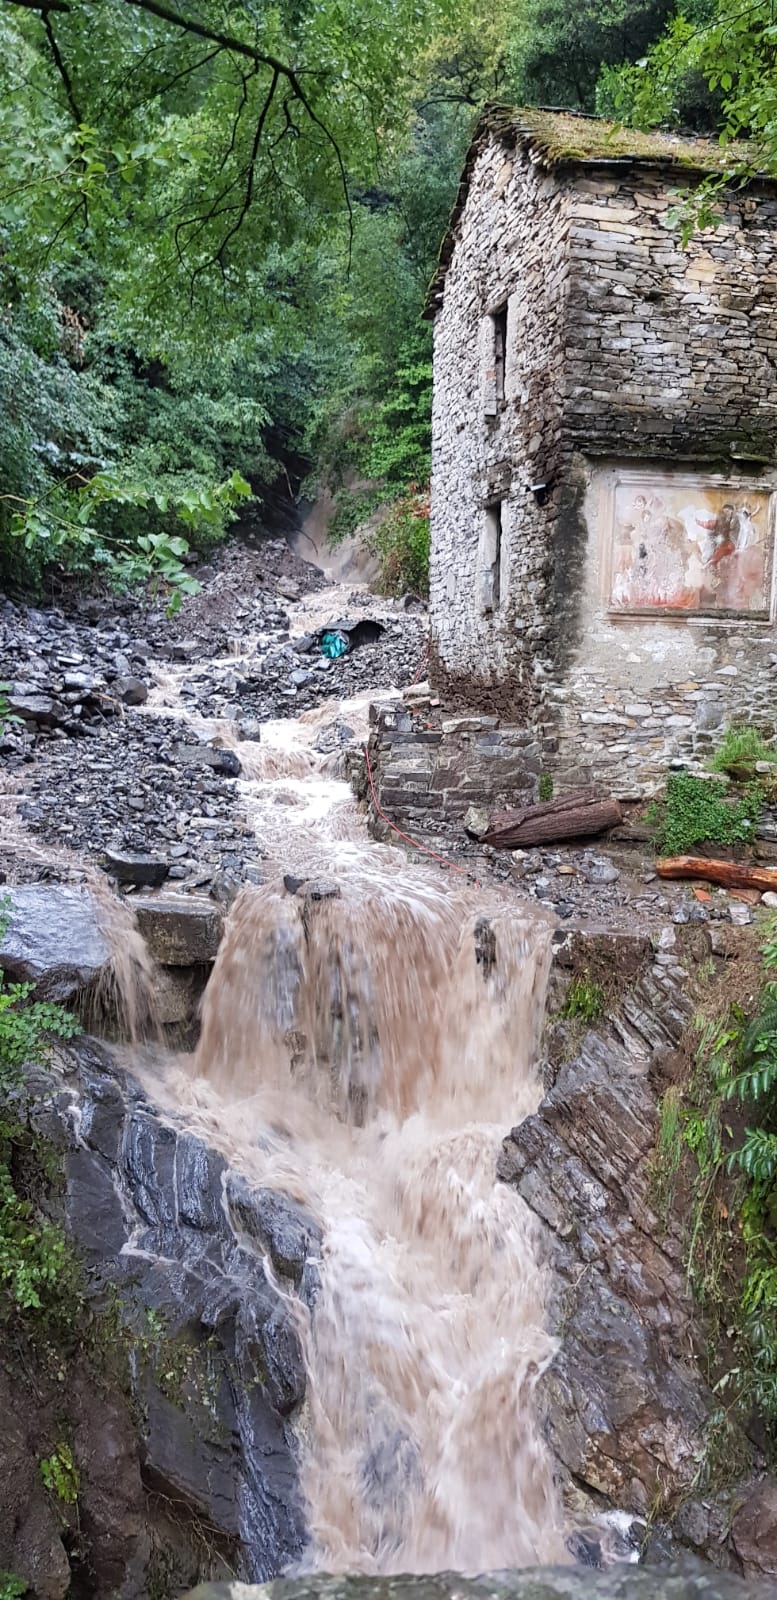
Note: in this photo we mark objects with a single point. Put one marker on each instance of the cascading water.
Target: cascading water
(368, 1038)
(365, 1051)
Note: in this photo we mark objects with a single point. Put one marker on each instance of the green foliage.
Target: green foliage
(12, 1588)
(558, 47)
(585, 999)
(740, 748)
(713, 68)
(734, 1204)
(402, 543)
(36, 1265)
(34, 1256)
(400, 450)
(697, 809)
(105, 470)
(546, 786)
(26, 1028)
(668, 87)
(60, 1474)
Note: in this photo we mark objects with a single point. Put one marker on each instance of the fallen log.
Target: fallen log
(729, 874)
(573, 816)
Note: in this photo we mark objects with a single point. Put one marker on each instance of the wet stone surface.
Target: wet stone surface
(220, 1369)
(548, 1583)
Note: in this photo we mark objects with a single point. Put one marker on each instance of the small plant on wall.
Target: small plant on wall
(699, 810)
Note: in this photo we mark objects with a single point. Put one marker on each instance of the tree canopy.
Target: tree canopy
(217, 223)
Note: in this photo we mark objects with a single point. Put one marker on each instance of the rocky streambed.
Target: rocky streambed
(149, 778)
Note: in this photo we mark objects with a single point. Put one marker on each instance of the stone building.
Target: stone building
(604, 446)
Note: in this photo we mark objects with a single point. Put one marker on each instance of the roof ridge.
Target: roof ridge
(559, 138)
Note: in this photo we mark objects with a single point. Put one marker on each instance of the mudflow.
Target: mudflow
(366, 1042)
(365, 1052)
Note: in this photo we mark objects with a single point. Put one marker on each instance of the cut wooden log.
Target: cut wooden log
(572, 816)
(729, 874)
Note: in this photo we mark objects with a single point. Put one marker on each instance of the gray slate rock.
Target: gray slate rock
(40, 709)
(223, 762)
(540, 1583)
(286, 1230)
(145, 871)
(180, 931)
(54, 940)
(131, 691)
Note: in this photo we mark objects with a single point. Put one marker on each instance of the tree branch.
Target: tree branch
(56, 54)
(228, 41)
(242, 47)
(41, 5)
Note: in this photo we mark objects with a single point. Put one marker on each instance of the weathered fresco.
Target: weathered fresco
(685, 544)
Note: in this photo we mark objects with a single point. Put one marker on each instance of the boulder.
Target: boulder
(131, 691)
(54, 940)
(754, 1528)
(144, 871)
(223, 762)
(42, 710)
(180, 930)
(476, 821)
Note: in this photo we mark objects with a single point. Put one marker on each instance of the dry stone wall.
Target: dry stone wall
(624, 347)
(426, 775)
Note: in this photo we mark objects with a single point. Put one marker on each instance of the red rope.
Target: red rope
(406, 836)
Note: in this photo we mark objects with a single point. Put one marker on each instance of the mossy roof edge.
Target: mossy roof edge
(565, 139)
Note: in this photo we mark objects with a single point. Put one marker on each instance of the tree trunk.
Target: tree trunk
(729, 874)
(573, 816)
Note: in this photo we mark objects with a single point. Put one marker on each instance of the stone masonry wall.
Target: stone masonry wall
(510, 245)
(428, 775)
(624, 348)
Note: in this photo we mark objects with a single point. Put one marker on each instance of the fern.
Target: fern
(757, 1157)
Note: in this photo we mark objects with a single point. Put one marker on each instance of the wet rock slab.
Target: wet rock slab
(546, 1583)
(218, 1367)
(53, 939)
(180, 930)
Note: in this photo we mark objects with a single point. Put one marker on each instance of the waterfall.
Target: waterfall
(364, 1047)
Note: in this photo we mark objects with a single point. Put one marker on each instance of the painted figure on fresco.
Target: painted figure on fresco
(674, 552)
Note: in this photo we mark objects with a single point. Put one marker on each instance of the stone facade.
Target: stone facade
(577, 337)
(426, 775)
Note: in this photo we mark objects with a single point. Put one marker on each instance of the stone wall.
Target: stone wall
(624, 347)
(426, 775)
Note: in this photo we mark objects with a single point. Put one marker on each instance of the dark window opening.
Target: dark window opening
(492, 554)
(499, 319)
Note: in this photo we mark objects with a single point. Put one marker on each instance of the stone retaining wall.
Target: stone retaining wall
(425, 775)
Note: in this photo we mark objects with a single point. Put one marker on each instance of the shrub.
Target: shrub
(12, 1588)
(60, 1474)
(36, 1262)
(697, 809)
(402, 543)
(585, 999)
(741, 748)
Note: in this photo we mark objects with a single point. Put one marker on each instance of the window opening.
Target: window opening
(499, 319)
(492, 558)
